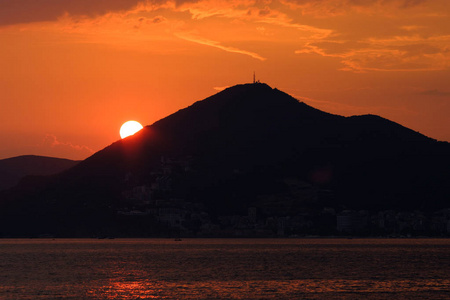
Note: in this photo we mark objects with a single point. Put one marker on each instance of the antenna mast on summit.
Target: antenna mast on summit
(254, 77)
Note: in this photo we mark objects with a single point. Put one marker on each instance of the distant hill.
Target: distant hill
(249, 146)
(13, 169)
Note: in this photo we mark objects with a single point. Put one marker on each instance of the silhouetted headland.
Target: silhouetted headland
(248, 161)
(13, 169)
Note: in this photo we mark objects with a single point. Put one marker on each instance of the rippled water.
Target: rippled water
(225, 269)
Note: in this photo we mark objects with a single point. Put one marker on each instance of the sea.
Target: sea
(297, 268)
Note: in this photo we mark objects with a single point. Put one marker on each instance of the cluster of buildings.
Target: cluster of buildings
(394, 223)
(154, 200)
(192, 219)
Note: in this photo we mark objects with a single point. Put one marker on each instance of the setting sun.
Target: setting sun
(129, 128)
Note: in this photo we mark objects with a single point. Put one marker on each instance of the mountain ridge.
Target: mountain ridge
(240, 148)
(13, 169)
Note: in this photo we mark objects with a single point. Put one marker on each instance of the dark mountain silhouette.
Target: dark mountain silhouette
(13, 169)
(247, 146)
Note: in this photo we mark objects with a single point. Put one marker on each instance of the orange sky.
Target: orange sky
(71, 72)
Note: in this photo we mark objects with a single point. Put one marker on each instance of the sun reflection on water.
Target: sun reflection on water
(267, 289)
(224, 269)
(126, 290)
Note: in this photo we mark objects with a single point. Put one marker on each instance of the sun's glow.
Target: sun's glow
(129, 128)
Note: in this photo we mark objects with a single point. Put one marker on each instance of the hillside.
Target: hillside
(13, 169)
(247, 147)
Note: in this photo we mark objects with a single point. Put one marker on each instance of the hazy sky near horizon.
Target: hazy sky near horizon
(71, 72)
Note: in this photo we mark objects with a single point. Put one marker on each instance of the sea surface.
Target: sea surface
(225, 269)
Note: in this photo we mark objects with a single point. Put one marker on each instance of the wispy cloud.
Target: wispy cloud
(408, 44)
(283, 20)
(51, 141)
(221, 88)
(399, 53)
(215, 44)
(327, 8)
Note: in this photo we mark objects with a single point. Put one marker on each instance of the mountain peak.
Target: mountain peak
(252, 90)
(250, 86)
(249, 99)
(235, 150)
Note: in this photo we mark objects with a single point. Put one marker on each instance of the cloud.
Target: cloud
(331, 48)
(399, 53)
(155, 20)
(209, 8)
(28, 11)
(158, 19)
(141, 21)
(312, 32)
(363, 44)
(326, 8)
(387, 60)
(221, 88)
(51, 141)
(264, 12)
(215, 44)
(75, 14)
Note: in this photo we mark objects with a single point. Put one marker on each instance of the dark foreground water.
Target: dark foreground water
(225, 269)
